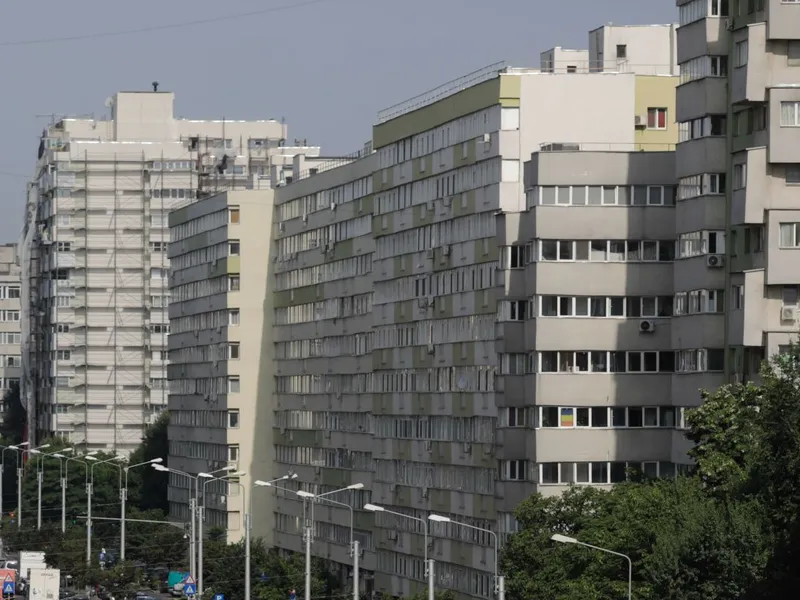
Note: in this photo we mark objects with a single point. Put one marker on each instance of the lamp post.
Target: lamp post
(89, 491)
(59, 454)
(16, 449)
(192, 513)
(39, 476)
(499, 580)
(65, 460)
(428, 562)
(201, 515)
(563, 539)
(123, 498)
(309, 531)
(248, 524)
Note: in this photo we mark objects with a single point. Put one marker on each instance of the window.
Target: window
(234, 284)
(711, 126)
(699, 302)
(790, 114)
(622, 51)
(602, 306)
(512, 310)
(740, 56)
(64, 220)
(63, 247)
(694, 361)
(233, 385)
(607, 250)
(157, 273)
(233, 316)
(233, 453)
(739, 176)
(737, 297)
(12, 292)
(515, 416)
(656, 118)
(789, 235)
(572, 69)
(233, 419)
(158, 246)
(233, 350)
(513, 470)
(606, 361)
(158, 220)
(233, 214)
(63, 355)
(699, 243)
(233, 248)
(512, 257)
(62, 328)
(792, 177)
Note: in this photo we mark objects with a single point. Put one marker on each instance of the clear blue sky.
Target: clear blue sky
(327, 67)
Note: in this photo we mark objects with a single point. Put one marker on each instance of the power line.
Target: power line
(121, 32)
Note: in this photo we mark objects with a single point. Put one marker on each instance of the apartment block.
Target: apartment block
(9, 317)
(220, 354)
(738, 167)
(95, 266)
(410, 355)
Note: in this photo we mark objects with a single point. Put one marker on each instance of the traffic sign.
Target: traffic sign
(189, 586)
(9, 586)
(219, 596)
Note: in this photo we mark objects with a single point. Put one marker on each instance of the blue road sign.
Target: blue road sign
(189, 586)
(219, 596)
(9, 586)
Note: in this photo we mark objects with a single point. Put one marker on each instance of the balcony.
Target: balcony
(701, 155)
(784, 125)
(783, 20)
(707, 36)
(706, 96)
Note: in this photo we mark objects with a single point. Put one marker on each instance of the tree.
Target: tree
(150, 485)
(273, 575)
(684, 544)
(14, 416)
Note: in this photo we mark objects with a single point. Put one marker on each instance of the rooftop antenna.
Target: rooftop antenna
(155, 86)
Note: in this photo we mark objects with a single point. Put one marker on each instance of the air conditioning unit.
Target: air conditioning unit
(446, 250)
(715, 261)
(647, 326)
(422, 303)
(729, 23)
(788, 313)
(640, 121)
(430, 253)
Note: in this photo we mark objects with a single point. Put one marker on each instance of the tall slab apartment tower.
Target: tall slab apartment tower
(738, 164)
(94, 257)
(480, 309)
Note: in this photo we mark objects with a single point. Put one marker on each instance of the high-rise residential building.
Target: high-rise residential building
(9, 317)
(738, 169)
(220, 353)
(94, 256)
(416, 347)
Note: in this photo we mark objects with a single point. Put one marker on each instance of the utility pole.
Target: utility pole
(88, 523)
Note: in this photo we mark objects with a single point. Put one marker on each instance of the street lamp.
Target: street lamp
(309, 533)
(192, 513)
(248, 525)
(499, 580)
(89, 490)
(563, 539)
(38, 481)
(60, 455)
(123, 498)
(428, 562)
(16, 449)
(201, 515)
(64, 478)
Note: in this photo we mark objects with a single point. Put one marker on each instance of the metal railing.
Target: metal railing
(443, 91)
(605, 147)
(606, 66)
(334, 162)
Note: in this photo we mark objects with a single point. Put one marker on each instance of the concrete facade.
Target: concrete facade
(10, 359)
(220, 353)
(409, 349)
(738, 168)
(94, 257)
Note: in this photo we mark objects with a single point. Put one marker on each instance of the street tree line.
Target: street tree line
(727, 531)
